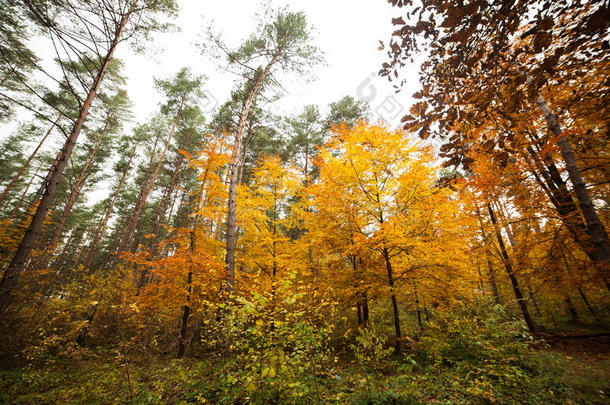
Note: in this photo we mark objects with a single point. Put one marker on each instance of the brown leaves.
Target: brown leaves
(542, 40)
(398, 21)
(598, 21)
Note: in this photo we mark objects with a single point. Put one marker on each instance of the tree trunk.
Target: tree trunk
(361, 300)
(588, 304)
(148, 186)
(511, 273)
(490, 269)
(189, 280)
(24, 194)
(595, 228)
(80, 182)
(100, 230)
(234, 178)
(11, 274)
(559, 195)
(168, 197)
(388, 264)
(365, 307)
(26, 164)
(572, 309)
(417, 306)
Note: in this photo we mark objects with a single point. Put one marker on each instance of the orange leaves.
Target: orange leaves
(376, 191)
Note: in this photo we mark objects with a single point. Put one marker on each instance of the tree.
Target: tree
(307, 135)
(280, 44)
(180, 91)
(380, 189)
(266, 248)
(348, 111)
(115, 111)
(488, 61)
(80, 27)
(17, 60)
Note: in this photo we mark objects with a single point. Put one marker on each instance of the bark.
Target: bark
(361, 298)
(185, 315)
(490, 269)
(100, 230)
(588, 304)
(362, 306)
(511, 274)
(78, 186)
(189, 280)
(559, 195)
(595, 228)
(148, 186)
(572, 309)
(388, 264)
(19, 261)
(417, 306)
(168, 197)
(26, 164)
(242, 162)
(231, 237)
(24, 194)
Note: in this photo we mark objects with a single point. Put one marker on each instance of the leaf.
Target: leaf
(542, 40)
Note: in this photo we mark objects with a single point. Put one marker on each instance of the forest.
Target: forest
(233, 253)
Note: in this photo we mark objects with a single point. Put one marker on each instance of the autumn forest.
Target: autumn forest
(236, 254)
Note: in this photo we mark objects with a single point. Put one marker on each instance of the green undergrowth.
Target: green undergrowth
(540, 377)
(480, 355)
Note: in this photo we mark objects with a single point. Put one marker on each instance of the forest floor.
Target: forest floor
(567, 371)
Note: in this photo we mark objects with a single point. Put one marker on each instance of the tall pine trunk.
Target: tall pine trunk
(127, 240)
(100, 231)
(231, 237)
(186, 309)
(26, 164)
(19, 261)
(78, 186)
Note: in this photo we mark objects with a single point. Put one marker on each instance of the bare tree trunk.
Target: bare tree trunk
(490, 269)
(189, 280)
(80, 182)
(168, 197)
(26, 164)
(572, 309)
(595, 228)
(100, 231)
(588, 304)
(24, 194)
(511, 273)
(11, 274)
(242, 161)
(388, 265)
(417, 305)
(234, 178)
(148, 186)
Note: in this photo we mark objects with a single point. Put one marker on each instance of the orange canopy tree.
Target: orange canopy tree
(379, 189)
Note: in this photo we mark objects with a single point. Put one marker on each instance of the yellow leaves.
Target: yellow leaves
(268, 372)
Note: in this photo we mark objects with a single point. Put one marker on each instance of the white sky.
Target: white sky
(347, 31)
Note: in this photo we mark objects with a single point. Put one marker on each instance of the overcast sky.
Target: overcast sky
(347, 31)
